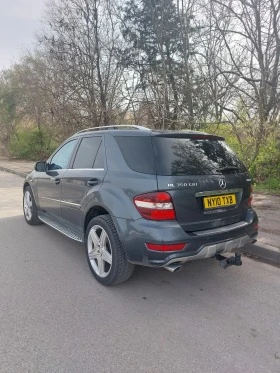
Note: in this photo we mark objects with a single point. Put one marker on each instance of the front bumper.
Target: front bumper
(199, 245)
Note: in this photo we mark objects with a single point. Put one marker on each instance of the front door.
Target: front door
(49, 182)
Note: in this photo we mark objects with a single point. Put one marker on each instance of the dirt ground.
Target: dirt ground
(268, 210)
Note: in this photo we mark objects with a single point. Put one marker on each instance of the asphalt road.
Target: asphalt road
(54, 317)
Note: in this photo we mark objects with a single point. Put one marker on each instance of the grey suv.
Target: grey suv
(139, 196)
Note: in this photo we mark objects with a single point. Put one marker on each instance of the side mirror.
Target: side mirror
(41, 166)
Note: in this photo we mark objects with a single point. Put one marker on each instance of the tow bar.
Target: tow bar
(231, 261)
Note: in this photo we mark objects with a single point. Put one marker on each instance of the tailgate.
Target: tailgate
(209, 186)
(200, 203)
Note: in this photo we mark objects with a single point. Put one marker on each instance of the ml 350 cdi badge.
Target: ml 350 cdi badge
(136, 196)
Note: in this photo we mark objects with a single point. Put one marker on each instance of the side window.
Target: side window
(87, 151)
(62, 158)
(138, 153)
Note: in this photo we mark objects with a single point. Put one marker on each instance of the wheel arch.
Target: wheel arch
(33, 189)
(98, 210)
(93, 212)
(26, 184)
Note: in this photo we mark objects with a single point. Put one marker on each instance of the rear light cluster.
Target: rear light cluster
(250, 197)
(155, 206)
(158, 206)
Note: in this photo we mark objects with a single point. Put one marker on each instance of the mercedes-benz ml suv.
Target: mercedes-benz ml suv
(136, 196)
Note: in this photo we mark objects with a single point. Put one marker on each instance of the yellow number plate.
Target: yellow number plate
(219, 201)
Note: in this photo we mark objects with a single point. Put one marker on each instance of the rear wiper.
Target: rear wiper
(228, 168)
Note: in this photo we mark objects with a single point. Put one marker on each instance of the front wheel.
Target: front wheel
(29, 207)
(105, 254)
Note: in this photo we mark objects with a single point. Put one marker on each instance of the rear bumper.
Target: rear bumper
(209, 251)
(203, 244)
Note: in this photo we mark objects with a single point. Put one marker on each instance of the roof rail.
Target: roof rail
(116, 127)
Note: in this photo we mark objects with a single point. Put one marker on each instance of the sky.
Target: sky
(19, 20)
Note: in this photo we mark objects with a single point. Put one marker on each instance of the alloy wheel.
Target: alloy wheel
(27, 205)
(99, 251)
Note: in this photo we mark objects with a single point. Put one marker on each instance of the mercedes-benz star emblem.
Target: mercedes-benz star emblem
(222, 183)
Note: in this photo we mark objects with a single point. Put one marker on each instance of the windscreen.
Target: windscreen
(187, 156)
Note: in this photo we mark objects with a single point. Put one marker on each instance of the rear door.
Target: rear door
(85, 175)
(210, 187)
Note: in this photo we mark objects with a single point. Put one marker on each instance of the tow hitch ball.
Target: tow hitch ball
(231, 261)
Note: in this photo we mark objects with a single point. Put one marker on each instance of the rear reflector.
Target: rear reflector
(256, 226)
(155, 206)
(173, 247)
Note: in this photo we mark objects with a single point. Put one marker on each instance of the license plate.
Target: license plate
(213, 202)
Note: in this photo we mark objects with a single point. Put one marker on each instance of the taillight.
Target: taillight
(250, 197)
(155, 206)
(172, 247)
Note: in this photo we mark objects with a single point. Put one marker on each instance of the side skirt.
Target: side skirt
(60, 227)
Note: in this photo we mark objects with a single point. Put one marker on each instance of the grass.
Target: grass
(269, 186)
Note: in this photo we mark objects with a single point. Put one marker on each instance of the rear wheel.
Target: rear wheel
(105, 253)
(29, 207)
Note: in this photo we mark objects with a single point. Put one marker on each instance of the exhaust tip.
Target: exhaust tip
(174, 267)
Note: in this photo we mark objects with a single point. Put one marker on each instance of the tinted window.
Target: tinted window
(182, 156)
(62, 158)
(138, 153)
(87, 152)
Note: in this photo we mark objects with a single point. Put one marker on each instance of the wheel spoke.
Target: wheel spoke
(92, 255)
(107, 257)
(29, 201)
(26, 199)
(95, 239)
(100, 264)
(26, 211)
(103, 238)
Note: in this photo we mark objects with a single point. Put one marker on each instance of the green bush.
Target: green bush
(270, 185)
(266, 166)
(31, 144)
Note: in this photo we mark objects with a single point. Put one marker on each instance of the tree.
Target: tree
(158, 49)
(80, 41)
(249, 32)
(9, 102)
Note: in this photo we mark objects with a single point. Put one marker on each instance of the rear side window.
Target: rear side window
(186, 156)
(138, 153)
(99, 159)
(87, 152)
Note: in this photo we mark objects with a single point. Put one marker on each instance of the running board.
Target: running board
(60, 228)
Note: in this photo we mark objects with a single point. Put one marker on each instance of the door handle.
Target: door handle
(57, 180)
(92, 182)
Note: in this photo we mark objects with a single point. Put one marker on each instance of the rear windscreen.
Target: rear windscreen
(186, 156)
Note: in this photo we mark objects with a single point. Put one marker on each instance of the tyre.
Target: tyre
(29, 207)
(105, 254)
